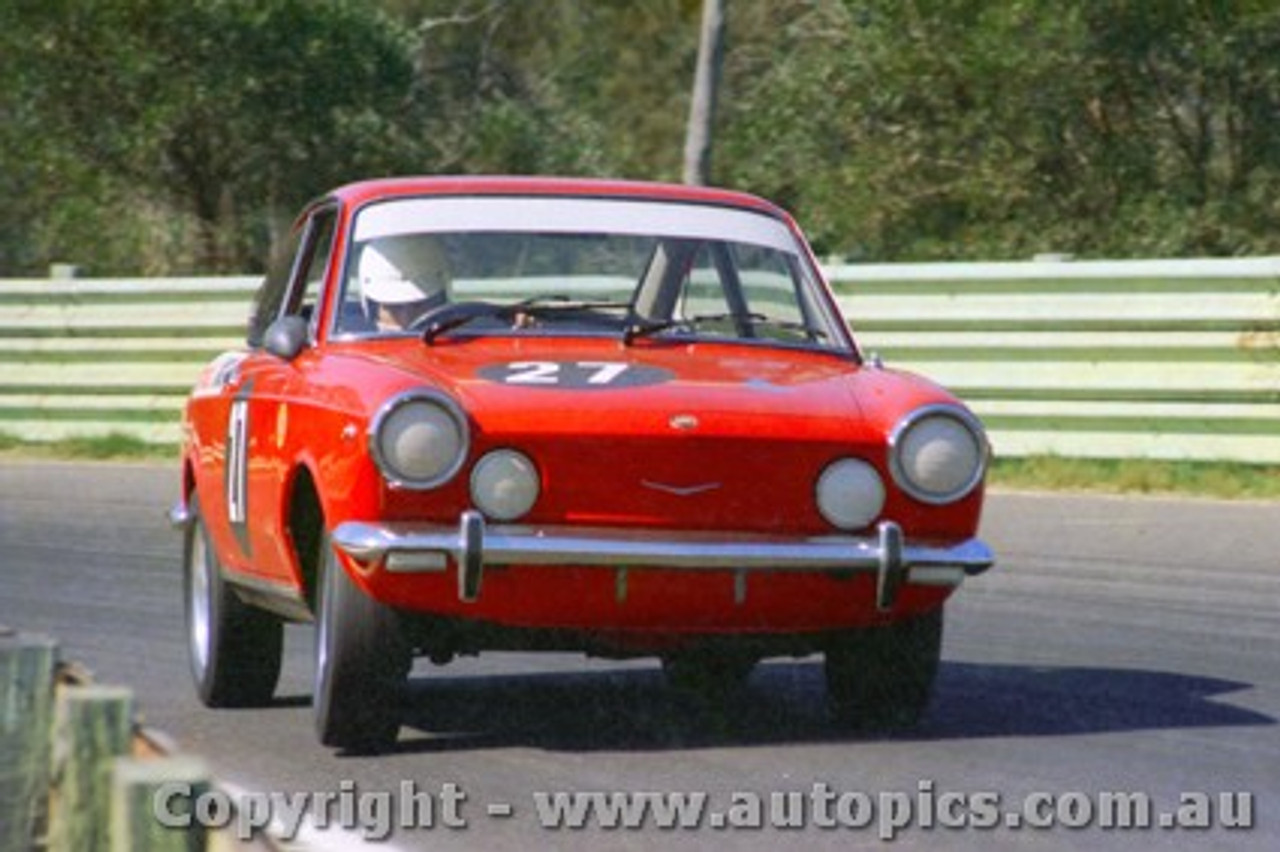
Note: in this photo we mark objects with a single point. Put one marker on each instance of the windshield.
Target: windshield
(539, 265)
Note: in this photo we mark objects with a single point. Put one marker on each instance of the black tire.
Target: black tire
(882, 677)
(708, 674)
(234, 649)
(362, 663)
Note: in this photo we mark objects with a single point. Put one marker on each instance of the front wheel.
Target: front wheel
(882, 677)
(362, 663)
(234, 649)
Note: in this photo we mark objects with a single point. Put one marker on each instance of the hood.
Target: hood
(592, 386)
(693, 435)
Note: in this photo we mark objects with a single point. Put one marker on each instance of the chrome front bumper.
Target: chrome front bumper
(473, 545)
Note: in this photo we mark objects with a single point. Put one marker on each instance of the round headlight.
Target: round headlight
(419, 440)
(938, 454)
(504, 485)
(850, 494)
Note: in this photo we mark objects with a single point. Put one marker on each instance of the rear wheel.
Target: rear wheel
(882, 677)
(234, 649)
(362, 663)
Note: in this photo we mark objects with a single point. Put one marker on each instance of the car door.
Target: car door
(262, 398)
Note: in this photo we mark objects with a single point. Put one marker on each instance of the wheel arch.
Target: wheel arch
(188, 479)
(305, 514)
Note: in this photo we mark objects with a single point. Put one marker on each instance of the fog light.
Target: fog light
(504, 485)
(850, 494)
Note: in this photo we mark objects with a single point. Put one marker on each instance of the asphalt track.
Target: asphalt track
(1121, 645)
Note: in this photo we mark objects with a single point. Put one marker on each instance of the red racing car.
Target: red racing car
(550, 414)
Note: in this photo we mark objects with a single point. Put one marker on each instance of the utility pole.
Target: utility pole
(706, 82)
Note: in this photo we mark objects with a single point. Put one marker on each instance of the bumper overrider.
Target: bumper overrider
(472, 545)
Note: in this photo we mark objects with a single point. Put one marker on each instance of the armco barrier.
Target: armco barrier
(91, 357)
(1131, 359)
(1151, 359)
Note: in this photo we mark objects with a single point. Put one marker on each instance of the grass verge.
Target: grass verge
(113, 447)
(1229, 480)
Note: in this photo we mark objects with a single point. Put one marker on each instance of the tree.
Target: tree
(233, 110)
(177, 135)
(702, 109)
(959, 128)
(558, 86)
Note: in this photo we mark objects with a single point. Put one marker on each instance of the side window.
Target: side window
(313, 263)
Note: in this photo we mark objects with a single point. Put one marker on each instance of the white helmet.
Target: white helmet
(404, 269)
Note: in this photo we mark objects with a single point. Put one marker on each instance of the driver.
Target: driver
(401, 278)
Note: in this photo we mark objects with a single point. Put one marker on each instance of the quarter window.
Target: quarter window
(313, 263)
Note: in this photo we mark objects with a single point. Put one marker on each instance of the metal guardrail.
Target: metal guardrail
(1123, 359)
(93, 357)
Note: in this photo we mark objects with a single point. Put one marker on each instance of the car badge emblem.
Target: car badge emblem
(680, 490)
(683, 422)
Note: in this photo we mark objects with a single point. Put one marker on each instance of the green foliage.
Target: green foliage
(955, 129)
(231, 112)
(558, 86)
(175, 136)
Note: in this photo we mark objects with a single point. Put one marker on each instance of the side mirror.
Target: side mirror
(286, 337)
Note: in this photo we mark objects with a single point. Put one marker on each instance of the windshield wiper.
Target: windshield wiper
(457, 314)
(644, 328)
(453, 315)
(557, 303)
